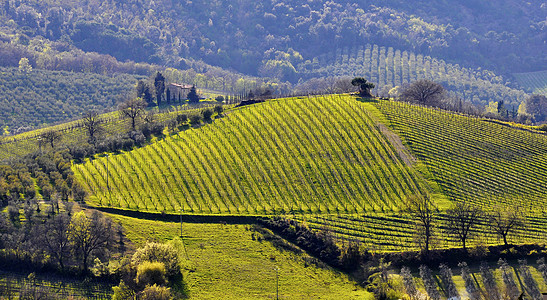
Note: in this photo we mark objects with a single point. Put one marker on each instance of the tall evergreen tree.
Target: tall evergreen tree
(159, 84)
(168, 95)
(193, 95)
(143, 92)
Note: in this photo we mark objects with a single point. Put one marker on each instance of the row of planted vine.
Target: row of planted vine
(299, 155)
(386, 66)
(473, 159)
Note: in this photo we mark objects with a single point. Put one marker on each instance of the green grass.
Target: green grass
(296, 155)
(224, 262)
(535, 81)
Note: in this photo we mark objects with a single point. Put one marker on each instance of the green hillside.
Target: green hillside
(332, 162)
(388, 67)
(536, 82)
(296, 155)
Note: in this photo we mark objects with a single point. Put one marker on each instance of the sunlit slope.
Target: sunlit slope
(474, 159)
(301, 155)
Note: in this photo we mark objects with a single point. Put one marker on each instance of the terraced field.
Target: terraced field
(298, 155)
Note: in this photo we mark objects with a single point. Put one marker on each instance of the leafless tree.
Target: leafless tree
(461, 220)
(504, 221)
(93, 125)
(49, 137)
(423, 211)
(132, 109)
(425, 92)
(89, 235)
(54, 238)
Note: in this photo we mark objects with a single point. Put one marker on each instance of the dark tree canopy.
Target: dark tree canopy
(193, 95)
(424, 92)
(143, 91)
(159, 84)
(364, 86)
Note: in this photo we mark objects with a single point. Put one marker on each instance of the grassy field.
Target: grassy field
(535, 81)
(234, 262)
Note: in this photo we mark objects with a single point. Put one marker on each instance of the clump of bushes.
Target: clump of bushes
(152, 272)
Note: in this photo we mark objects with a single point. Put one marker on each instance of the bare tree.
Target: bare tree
(93, 125)
(461, 220)
(49, 137)
(54, 238)
(132, 109)
(89, 236)
(343, 85)
(423, 211)
(504, 221)
(424, 91)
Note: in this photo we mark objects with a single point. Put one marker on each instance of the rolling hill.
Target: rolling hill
(332, 162)
(295, 155)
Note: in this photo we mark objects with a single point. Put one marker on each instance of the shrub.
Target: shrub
(157, 129)
(158, 252)
(149, 273)
(195, 119)
(219, 98)
(155, 292)
(207, 114)
(218, 109)
(182, 118)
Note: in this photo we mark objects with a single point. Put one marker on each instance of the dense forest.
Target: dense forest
(506, 37)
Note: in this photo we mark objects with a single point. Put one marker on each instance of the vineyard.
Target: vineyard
(331, 162)
(296, 155)
(535, 81)
(390, 67)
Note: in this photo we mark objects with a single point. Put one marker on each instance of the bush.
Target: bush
(149, 273)
(158, 252)
(195, 119)
(155, 292)
(182, 118)
(219, 98)
(157, 129)
(207, 114)
(218, 109)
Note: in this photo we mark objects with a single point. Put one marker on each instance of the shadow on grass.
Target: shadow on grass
(367, 100)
